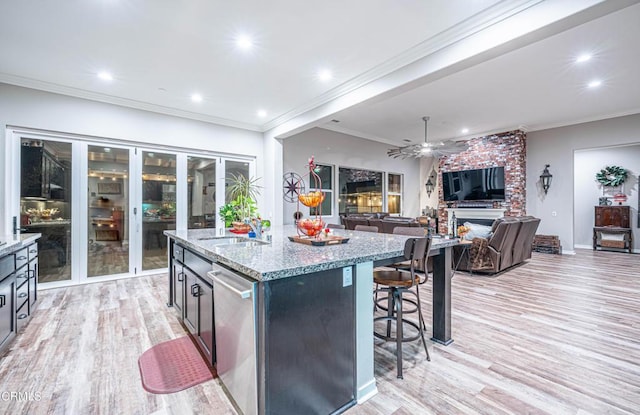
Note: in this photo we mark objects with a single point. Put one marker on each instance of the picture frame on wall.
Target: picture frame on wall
(110, 188)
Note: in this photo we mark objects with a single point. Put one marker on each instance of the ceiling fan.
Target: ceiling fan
(427, 149)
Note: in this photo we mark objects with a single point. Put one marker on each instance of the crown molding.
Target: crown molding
(124, 102)
(446, 38)
(548, 126)
(359, 134)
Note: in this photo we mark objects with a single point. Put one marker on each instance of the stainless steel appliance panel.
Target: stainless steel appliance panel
(235, 328)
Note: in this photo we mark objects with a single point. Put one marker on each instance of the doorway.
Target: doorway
(102, 207)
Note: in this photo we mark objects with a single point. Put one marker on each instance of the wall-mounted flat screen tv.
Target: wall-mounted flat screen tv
(478, 184)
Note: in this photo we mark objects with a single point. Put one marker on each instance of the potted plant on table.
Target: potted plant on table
(244, 192)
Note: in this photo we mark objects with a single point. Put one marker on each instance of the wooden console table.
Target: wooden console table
(625, 243)
(612, 220)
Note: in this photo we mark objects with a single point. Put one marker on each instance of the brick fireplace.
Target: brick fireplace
(506, 149)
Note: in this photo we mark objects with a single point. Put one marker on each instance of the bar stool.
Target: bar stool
(399, 282)
(422, 268)
(366, 228)
(335, 226)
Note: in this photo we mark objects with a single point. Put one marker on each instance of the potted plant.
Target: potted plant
(229, 214)
(244, 192)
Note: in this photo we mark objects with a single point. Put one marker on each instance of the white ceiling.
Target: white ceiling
(162, 51)
(535, 87)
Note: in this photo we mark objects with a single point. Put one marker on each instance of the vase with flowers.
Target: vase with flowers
(462, 231)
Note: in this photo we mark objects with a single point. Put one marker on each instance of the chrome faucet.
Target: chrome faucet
(256, 228)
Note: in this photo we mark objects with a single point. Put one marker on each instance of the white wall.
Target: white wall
(556, 147)
(587, 190)
(342, 150)
(34, 109)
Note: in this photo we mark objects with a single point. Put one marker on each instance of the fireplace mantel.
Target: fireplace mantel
(473, 213)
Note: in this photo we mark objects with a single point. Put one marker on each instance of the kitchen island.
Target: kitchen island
(306, 342)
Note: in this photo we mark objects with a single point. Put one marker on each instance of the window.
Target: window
(394, 193)
(326, 177)
(360, 191)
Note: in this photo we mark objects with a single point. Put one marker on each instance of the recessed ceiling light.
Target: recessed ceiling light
(196, 97)
(262, 113)
(583, 58)
(594, 84)
(325, 75)
(107, 150)
(244, 42)
(465, 130)
(105, 76)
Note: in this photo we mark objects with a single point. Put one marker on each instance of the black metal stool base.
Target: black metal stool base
(394, 313)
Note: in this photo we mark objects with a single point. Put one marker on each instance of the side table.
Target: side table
(465, 247)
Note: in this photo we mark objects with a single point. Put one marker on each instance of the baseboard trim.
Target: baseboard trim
(367, 391)
(590, 248)
(565, 252)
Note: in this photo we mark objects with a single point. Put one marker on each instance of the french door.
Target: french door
(102, 207)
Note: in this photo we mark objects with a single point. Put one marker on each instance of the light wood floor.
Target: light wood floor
(560, 335)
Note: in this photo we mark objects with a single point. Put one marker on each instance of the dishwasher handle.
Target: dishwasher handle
(215, 275)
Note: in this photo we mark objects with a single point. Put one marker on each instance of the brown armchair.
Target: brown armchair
(508, 245)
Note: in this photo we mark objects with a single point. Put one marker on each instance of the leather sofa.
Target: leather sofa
(382, 221)
(509, 245)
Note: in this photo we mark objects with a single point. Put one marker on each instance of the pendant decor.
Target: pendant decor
(313, 199)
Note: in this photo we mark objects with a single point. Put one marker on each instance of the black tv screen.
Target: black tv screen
(479, 184)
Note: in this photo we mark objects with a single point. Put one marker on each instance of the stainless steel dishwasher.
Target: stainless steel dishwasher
(234, 302)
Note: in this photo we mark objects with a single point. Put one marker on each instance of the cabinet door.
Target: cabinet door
(178, 286)
(33, 284)
(191, 301)
(205, 319)
(7, 311)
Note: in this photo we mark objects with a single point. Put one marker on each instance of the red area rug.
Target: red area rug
(173, 366)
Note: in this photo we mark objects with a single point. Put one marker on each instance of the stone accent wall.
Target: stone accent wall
(506, 149)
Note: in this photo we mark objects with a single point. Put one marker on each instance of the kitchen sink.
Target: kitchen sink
(233, 240)
(223, 239)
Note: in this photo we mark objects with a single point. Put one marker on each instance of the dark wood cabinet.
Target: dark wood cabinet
(18, 290)
(612, 228)
(191, 301)
(42, 176)
(7, 300)
(191, 293)
(612, 216)
(177, 287)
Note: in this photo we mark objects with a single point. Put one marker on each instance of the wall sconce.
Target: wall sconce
(429, 186)
(431, 182)
(545, 179)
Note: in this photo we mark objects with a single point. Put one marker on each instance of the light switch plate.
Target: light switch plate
(347, 276)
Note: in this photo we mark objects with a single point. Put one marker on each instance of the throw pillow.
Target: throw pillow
(477, 231)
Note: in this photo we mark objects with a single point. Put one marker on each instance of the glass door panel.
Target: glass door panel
(108, 201)
(201, 192)
(45, 195)
(158, 206)
(234, 168)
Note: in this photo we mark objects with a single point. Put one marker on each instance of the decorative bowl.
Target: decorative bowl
(311, 227)
(311, 199)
